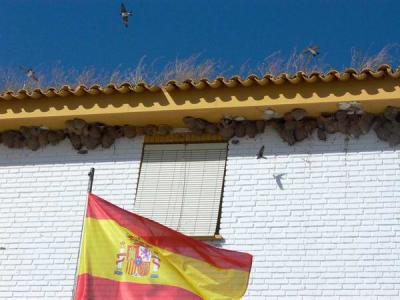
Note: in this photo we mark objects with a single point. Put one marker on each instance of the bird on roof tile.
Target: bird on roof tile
(313, 50)
(125, 14)
(31, 74)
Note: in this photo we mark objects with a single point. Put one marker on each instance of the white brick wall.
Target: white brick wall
(42, 198)
(331, 233)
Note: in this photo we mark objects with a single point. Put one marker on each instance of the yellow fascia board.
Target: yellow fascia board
(212, 104)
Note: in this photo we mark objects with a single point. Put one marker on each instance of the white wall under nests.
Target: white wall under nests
(331, 231)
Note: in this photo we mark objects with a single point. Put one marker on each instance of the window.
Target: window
(180, 186)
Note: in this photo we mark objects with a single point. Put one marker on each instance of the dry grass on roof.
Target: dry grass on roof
(193, 67)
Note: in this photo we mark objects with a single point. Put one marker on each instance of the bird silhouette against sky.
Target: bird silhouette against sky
(313, 50)
(30, 74)
(125, 15)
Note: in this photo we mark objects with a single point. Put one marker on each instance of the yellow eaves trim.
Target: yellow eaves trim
(141, 105)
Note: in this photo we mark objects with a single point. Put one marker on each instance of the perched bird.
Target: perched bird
(82, 151)
(235, 142)
(125, 14)
(2, 248)
(313, 50)
(260, 153)
(278, 179)
(31, 74)
(234, 118)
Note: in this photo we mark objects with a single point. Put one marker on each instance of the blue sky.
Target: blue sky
(90, 33)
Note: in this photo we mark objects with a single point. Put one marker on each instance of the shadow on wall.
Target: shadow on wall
(130, 150)
(123, 150)
(336, 143)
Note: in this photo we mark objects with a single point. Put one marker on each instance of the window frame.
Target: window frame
(190, 139)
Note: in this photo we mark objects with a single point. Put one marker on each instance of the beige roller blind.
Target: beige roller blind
(180, 186)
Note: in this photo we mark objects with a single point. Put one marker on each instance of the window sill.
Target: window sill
(216, 237)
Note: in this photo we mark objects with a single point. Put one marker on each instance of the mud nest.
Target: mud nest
(292, 127)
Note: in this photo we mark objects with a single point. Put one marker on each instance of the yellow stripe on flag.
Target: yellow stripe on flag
(101, 246)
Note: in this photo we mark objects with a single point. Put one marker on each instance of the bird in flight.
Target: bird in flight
(313, 50)
(260, 153)
(125, 14)
(31, 74)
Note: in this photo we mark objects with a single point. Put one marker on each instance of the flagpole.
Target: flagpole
(89, 190)
(90, 183)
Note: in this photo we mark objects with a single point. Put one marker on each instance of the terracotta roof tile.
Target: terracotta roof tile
(235, 81)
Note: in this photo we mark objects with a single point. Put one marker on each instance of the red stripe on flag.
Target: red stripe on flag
(96, 288)
(163, 237)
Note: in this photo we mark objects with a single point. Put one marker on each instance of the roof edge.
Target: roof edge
(384, 71)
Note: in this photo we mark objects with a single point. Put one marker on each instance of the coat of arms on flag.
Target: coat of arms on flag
(126, 256)
(136, 258)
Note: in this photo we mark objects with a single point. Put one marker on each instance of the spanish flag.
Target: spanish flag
(125, 256)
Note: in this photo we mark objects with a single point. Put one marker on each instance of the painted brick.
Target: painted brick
(41, 207)
(332, 232)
